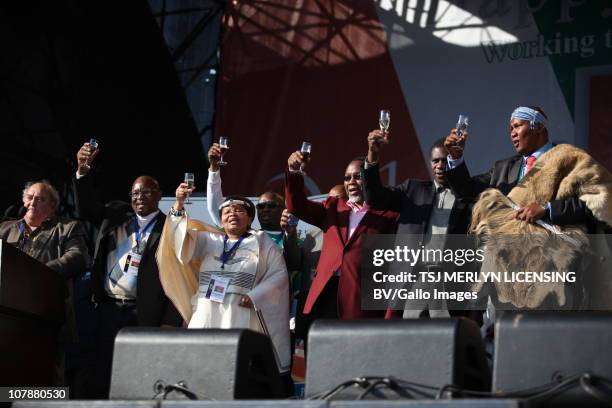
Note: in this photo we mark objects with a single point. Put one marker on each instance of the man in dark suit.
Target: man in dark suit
(125, 276)
(428, 209)
(335, 291)
(529, 136)
(424, 206)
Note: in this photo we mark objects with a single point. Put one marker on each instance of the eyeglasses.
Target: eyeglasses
(356, 176)
(142, 193)
(267, 204)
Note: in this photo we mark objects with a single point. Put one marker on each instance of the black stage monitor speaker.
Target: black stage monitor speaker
(466, 403)
(246, 404)
(432, 352)
(539, 348)
(212, 363)
(86, 404)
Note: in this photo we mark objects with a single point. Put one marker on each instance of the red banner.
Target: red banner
(316, 71)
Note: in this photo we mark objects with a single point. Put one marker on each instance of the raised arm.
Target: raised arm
(376, 195)
(214, 194)
(295, 194)
(88, 207)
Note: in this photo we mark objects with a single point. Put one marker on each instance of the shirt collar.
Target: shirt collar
(540, 151)
(439, 187)
(147, 218)
(364, 207)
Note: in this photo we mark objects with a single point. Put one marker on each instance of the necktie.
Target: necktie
(529, 163)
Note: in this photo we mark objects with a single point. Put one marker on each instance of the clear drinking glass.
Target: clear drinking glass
(190, 181)
(305, 150)
(224, 146)
(462, 124)
(93, 144)
(384, 121)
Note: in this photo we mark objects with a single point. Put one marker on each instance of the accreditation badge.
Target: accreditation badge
(132, 263)
(217, 288)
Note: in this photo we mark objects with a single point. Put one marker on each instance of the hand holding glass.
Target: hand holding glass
(384, 121)
(223, 145)
(305, 150)
(93, 145)
(190, 181)
(462, 126)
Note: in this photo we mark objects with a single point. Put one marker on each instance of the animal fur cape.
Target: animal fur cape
(512, 245)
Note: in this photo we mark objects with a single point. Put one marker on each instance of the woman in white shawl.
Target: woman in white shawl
(232, 280)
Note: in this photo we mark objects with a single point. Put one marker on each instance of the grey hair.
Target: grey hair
(52, 191)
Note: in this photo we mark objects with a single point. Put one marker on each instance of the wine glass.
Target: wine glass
(305, 150)
(190, 180)
(93, 144)
(223, 145)
(384, 121)
(462, 126)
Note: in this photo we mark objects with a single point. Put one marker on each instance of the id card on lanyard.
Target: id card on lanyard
(132, 262)
(217, 288)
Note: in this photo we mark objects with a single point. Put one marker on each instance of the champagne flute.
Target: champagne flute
(305, 150)
(190, 180)
(384, 121)
(223, 146)
(462, 126)
(93, 144)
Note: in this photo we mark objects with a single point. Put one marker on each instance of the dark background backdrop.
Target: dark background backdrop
(72, 70)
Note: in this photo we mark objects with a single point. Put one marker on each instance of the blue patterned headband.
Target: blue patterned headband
(530, 115)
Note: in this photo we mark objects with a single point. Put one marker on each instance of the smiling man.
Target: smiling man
(61, 245)
(335, 291)
(125, 276)
(428, 209)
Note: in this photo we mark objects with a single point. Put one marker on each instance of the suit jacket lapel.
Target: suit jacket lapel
(13, 235)
(343, 220)
(429, 197)
(515, 168)
(155, 233)
(362, 226)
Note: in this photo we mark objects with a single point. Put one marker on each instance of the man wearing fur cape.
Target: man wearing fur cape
(559, 185)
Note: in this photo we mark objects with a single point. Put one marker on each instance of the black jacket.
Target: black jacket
(414, 200)
(153, 307)
(504, 175)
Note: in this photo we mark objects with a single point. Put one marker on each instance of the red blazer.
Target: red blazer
(338, 251)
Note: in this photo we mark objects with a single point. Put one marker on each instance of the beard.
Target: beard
(358, 199)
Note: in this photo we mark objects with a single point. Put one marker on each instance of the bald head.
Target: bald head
(145, 195)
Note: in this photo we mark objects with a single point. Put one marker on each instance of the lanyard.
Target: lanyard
(22, 235)
(139, 234)
(227, 255)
